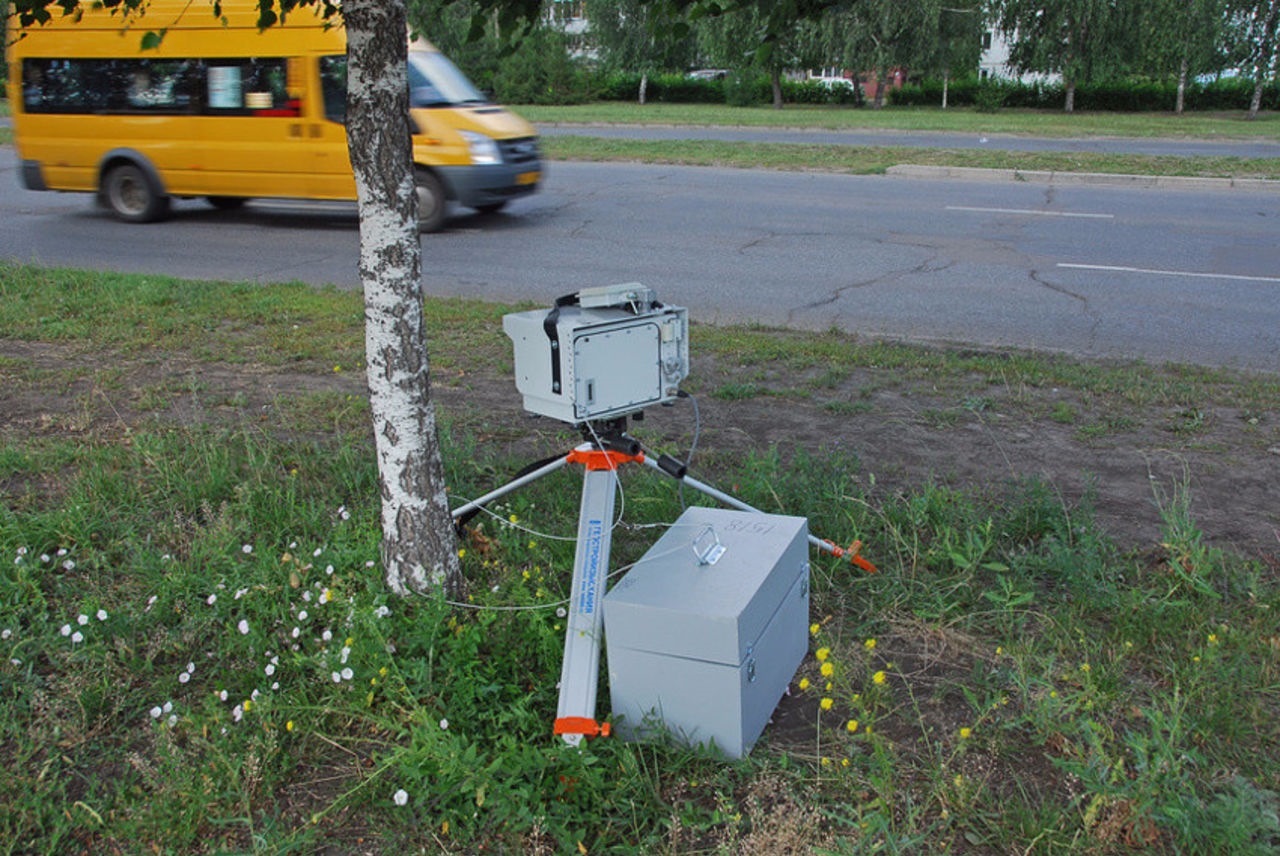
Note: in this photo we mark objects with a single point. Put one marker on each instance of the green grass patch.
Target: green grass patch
(198, 653)
(874, 160)
(961, 120)
(201, 613)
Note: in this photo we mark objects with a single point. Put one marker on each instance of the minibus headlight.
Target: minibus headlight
(483, 149)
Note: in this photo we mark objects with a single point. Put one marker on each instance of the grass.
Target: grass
(874, 160)
(871, 160)
(963, 120)
(198, 654)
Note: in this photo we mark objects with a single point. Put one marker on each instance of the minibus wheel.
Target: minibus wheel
(132, 196)
(432, 205)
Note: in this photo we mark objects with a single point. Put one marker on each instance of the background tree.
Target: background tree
(878, 36)
(1181, 39)
(1255, 23)
(1082, 40)
(631, 37)
(958, 46)
(741, 39)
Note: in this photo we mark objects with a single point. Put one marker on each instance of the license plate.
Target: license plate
(528, 178)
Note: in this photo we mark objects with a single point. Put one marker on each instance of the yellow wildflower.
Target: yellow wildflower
(813, 629)
(826, 704)
(870, 644)
(879, 678)
(966, 733)
(822, 654)
(804, 683)
(851, 726)
(827, 670)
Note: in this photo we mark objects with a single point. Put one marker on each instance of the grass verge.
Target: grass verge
(198, 655)
(874, 160)
(963, 120)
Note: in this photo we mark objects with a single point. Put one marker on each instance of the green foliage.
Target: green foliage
(541, 72)
(1110, 96)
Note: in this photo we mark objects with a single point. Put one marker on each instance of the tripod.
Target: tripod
(606, 447)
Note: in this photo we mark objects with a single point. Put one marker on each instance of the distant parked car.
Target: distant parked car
(834, 82)
(708, 74)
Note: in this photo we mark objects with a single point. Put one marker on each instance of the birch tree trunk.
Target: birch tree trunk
(418, 549)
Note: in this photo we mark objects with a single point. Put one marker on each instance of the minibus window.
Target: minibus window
(333, 86)
(434, 81)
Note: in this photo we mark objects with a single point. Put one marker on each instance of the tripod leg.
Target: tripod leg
(575, 716)
(510, 486)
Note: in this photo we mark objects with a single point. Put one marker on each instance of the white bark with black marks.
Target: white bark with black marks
(418, 548)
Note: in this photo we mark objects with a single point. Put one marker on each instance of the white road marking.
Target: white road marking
(1083, 216)
(1187, 273)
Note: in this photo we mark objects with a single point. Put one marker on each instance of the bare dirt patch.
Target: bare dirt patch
(904, 433)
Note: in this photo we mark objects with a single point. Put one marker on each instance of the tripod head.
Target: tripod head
(611, 435)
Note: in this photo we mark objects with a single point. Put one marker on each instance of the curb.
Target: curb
(1103, 179)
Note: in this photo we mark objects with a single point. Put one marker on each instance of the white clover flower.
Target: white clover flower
(102, 615)
(68, 565)
(293, 545)
(324, 596)
(347, 674)
(77, 637)
(337, 678)
(243, 627)
(328, 570)
(22, 551)
(560, 613)
(295, 632)
(65, 630)
(156, 712)
(317, 553)
(253, 696)
(368, 564)
(247, 549)
(401, 797)
(444, 724)
(275, 685)
(173, 720)
(46, 558)
(327, 635)
(382, 611)
(168, 706)
(269, 670)
(62, 551)
(151, 601)
(302, 616)
(191, 667)
(184, 677)
(237, 713)
(6, 633)
(211, 599)
(346, 652)
(223, 695)
(82, 619)
(241, 593)
(306, 596)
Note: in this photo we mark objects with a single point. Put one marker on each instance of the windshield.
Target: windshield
(434, 81)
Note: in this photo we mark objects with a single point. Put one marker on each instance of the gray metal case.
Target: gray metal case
(703, 652)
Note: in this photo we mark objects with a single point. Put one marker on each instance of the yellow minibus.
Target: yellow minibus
(224, 111)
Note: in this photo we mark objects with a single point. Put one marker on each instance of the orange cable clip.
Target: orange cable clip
(583, 725)
(853, 554)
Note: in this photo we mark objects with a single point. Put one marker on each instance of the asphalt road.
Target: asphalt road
(1189, 275)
